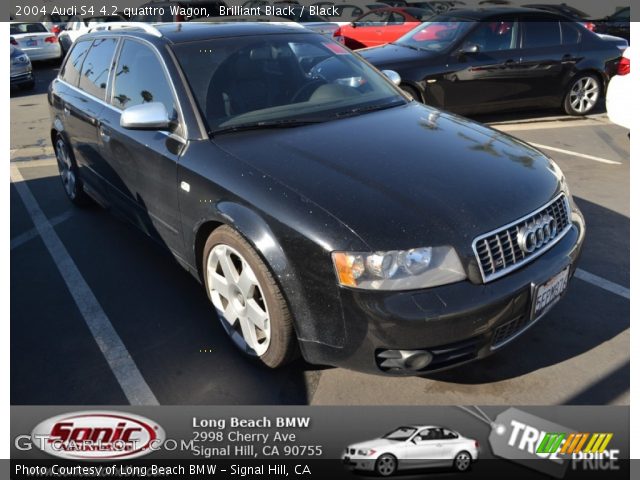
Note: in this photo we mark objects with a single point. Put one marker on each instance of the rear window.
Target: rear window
(541, 34)
(20, 28)
(71, 70)
(96, 66)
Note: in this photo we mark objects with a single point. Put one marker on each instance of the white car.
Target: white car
(35, 41)
(620, 93)
(412, 447)
(78, 26)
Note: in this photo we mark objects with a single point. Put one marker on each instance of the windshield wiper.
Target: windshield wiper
(370, 108)
(263, 126)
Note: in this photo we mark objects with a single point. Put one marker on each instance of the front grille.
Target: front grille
(499, 253)
(507, 331)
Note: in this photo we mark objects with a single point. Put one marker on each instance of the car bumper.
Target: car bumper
(51, 52)
(358, 463)
(20, 76)
(455, 323)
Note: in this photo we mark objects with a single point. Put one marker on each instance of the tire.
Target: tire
(462, 461)
(250, 306)
(386, 465)
(68, 170)
(412, 92)
(582, 95)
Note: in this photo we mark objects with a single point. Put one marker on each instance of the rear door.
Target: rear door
(144, 162)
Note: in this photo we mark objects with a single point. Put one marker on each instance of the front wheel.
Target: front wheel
(386, 465)
(248, 300)
(582, 95)
(462, 462)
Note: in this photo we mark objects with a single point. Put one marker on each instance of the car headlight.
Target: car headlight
(366, 452)
(399, 269)
(20, 60)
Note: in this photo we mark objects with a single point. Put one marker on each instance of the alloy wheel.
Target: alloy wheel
(463, 461)
(65, 168)
(237, 295)
(584, 94)
(386, 465)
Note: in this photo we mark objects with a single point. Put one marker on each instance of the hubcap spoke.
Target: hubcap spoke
(257, 316)
(247, 281)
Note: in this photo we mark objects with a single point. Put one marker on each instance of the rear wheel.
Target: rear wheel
(462, 462)
(583, 94)
(386, 465)
(248, 300)
(69, 172)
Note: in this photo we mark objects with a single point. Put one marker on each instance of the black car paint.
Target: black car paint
(298, 194)
(502, 80)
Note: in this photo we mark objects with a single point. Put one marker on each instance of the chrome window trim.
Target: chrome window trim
(534, 255)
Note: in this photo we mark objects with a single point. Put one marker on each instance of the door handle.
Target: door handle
(105, 133)
(67, 111)
(568, 58)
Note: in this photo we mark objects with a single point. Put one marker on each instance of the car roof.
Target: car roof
(182, 32)
(492, 12)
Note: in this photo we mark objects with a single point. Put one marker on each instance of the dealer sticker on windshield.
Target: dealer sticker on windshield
(547, 294)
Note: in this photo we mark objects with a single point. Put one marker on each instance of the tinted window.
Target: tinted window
(73, 65)
(95, 69)
(20, 28)
(140, 78)
(374, 18)
(570, 33)
(493, 36)
(395, 19)
(541, 34)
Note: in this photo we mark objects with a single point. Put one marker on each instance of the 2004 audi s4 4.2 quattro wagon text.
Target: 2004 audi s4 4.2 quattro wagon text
(324, 211)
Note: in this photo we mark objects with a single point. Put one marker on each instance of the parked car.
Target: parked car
(380, 26)
(55, 23)
(617, 24)
(35, 40)
(79, 25)
(567, 11)
(412, 447)
(620, 91)
(473, 61)
(461, 243)
(21, 72)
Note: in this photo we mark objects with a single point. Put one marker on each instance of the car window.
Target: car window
(20, 28)
(374, 18)
(140, 78)
(571, 33)
(540, 34)
(448, 434)
(431, 434)
(96, 66)
(71, 70)
(493, 36)
(395, 19)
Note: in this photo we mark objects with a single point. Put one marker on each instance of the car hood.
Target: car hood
(375, 444)
(392, 54)
(404, 177)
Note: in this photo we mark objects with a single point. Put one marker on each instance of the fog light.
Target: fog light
(404, 359)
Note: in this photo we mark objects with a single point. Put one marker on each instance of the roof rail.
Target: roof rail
(146, 27)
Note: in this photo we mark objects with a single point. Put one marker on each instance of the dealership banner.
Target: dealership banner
(316, 442)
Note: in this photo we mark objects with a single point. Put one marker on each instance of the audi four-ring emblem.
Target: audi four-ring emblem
(534, 235)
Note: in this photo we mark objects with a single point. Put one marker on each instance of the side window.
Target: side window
(95, 69)
(571, 34)
(493, 36)
(374, 18)
(448, 434)
(395, 19)
(140, 78)
(541, 34)
(71, 70)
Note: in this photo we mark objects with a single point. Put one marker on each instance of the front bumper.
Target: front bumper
(21, 76)
(357, 462)
(457, 323)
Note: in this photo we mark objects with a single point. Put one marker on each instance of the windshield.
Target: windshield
(435, 36)
(19, 28)
(400, 434)
(280, 78)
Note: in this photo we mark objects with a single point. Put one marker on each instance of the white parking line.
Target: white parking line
(575, 154)
(115, 353)
(33, 232)
(603, 283)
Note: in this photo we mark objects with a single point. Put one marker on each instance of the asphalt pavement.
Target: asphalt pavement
(101, 315)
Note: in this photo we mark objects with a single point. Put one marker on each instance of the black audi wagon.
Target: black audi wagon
(324, 211)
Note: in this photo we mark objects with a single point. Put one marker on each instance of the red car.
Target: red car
(380, 26)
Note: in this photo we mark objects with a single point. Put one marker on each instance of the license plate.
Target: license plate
(32, 43)
(549, 293)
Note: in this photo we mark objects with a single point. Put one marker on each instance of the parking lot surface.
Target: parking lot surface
(100, 315)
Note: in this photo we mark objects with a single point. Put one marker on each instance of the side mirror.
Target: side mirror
(393, 76)
(146, 116)
(469, 48)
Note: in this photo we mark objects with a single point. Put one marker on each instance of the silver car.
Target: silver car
(21, 70)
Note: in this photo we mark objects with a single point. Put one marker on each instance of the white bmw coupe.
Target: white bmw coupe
(412, 447)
